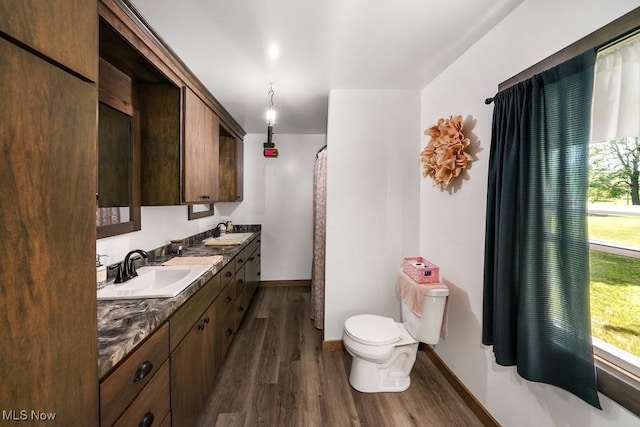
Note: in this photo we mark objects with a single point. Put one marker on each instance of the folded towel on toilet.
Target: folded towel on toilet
(413, 292)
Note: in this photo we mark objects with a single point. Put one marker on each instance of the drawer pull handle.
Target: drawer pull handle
(240, 260)
(206, 319)
(147, 420)
(229, 332)
(201, 327)
(229, 299)
(143, 370)
(228, 274)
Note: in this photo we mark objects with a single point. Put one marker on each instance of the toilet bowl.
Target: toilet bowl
(384, 351)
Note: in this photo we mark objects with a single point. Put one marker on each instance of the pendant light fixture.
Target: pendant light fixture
(269, 147)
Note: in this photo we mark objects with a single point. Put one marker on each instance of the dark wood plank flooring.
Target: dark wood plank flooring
(276, 374)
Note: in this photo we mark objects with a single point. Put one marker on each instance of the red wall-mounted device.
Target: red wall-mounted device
(270, 152)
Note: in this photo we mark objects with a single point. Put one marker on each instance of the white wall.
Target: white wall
(372, 200)
(452, 223)
(277, 194)
(281, 199)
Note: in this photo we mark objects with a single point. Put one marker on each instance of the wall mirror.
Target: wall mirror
(118, 181)
(200, 211)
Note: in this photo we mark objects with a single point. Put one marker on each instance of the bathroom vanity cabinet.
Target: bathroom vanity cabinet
(194, 361)
(139, 387)
(170, 374)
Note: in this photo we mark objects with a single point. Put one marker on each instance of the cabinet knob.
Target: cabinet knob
(201, 327)
(241, 309)
(229, 332)
(206, 319)
(240, 281)
(229, 299)
(251, 259)
(228, 274)
(240, 260)
(143, 370)
(147, 420)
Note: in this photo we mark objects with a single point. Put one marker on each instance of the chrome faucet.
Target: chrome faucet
(127, 270)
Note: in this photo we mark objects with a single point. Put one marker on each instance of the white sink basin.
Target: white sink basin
(228, 239)
(154, 282)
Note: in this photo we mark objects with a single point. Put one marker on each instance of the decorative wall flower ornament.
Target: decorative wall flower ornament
(444, 157)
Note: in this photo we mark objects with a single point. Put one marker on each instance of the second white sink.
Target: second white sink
(154, 282)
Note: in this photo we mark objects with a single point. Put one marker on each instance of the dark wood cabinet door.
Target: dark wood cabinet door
(200, 150)
(231, 159)
(64, 31)
(193, 369)
(48, 325)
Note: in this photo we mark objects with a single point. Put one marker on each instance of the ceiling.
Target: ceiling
(323, 45)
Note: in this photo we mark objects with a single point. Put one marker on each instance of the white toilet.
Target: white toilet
(384, 351)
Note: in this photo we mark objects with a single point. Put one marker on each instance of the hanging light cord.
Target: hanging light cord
(271, 93)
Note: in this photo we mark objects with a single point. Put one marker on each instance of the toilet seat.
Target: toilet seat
(374, 330)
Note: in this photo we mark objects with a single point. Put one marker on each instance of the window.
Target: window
(614, 237)
(614, 209)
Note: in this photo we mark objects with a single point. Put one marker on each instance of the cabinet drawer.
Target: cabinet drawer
(241, 306)
(119, 388)
(239, 282)
(226, 274)
(226, 331)
(227, 296)
(152, 404)
(184, 318)
(254, 245)
(241, 259)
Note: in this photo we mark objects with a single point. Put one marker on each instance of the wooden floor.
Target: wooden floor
(276, 374)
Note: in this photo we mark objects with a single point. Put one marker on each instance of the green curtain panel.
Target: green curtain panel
(536, 272)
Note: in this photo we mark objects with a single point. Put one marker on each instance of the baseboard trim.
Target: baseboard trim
(283, 283)
(469, 399)
(332, 345)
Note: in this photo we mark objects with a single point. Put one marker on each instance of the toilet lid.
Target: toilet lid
(372, 329)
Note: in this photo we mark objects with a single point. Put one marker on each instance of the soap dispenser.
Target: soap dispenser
(101, 272)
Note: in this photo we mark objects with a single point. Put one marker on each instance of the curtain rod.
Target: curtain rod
(626, 25)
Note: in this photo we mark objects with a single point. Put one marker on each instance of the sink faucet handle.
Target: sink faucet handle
(131, 268)
(119, 273)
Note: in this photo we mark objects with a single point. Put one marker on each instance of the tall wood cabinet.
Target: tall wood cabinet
(47, 215)
(65, 31)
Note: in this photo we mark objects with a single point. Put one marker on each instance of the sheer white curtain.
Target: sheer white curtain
(616, 92)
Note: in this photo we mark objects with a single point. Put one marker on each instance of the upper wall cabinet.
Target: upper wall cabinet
(180, 120)
(230, 188)
(201, 139)
(179, 165)
(52, 28)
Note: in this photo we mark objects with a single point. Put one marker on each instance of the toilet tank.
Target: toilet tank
(427, 328)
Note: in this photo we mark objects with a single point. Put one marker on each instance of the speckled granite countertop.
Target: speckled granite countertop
(123, 324)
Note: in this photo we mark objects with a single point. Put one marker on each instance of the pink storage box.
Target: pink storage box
(421, 270)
